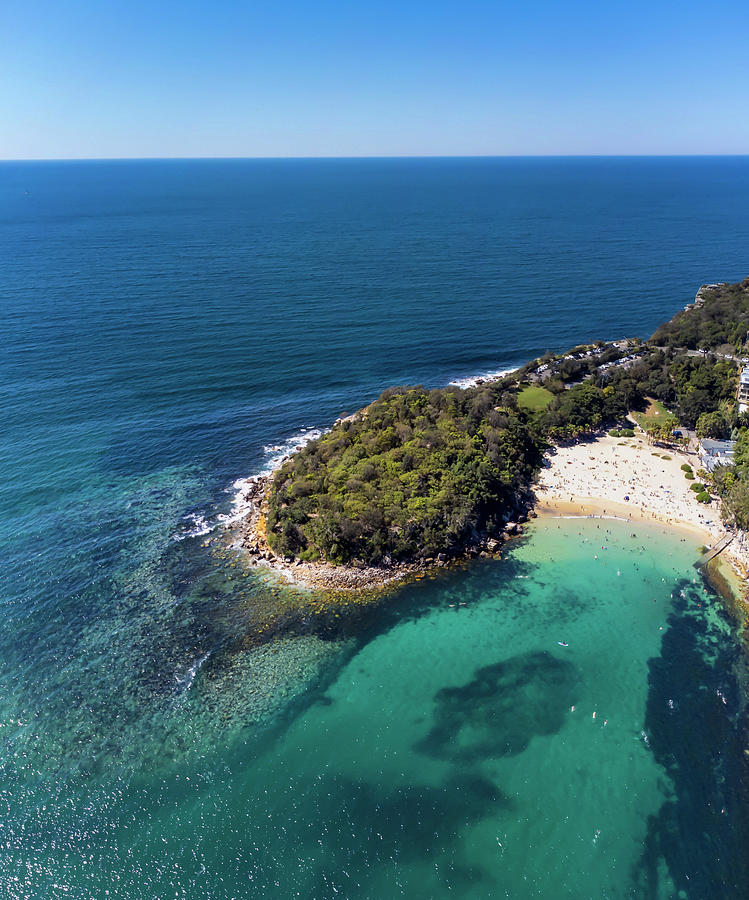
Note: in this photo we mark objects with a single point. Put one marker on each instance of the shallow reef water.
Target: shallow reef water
(563, 722)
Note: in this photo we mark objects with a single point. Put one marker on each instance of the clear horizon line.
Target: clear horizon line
(379, 156)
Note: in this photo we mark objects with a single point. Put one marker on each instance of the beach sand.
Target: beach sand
(629, 478)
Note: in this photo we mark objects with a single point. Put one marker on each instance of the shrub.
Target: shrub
(685, 467)
(615, 432)
(689, 476)
(627, 432)
(704, 497)
(666, 456)
(697, 487)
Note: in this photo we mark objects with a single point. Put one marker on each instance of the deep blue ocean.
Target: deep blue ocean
(165, 326)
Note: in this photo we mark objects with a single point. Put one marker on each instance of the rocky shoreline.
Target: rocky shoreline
(251, 541)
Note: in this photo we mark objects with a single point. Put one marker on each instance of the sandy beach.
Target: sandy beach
(629, 478)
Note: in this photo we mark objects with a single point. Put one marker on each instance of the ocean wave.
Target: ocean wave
(474, 380)
(197, 524)
(193, 525)
(275, 456)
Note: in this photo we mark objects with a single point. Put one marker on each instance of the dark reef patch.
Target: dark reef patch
(702, 830)
(402, 824)
(501, 709)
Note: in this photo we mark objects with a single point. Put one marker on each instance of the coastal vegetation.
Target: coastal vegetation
(719, 319)
(422, 474)
(415, 474)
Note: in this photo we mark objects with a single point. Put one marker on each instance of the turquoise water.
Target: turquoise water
(454, 746)
(165, 327)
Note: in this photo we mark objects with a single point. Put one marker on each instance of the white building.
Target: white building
(743, 395)
(715, 453)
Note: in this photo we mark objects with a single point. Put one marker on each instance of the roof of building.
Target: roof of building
(710, 446)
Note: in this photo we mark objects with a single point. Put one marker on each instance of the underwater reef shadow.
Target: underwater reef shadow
(347, 629)
(697, 728)
(501, 709)
(458, 587)
(403, 824)
(283, 611)
(192, 651)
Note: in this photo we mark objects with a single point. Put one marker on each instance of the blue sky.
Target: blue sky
(91, 78)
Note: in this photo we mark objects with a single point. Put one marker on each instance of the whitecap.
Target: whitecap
(275, 456)
(474, 380)
(186, 680)
(197, 525)
(194, 525)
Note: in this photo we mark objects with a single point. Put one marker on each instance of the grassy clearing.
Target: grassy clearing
(655, 412)
(534, 398)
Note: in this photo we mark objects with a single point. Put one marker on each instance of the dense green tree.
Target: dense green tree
(723, 319)
(416, 473)
(713, 425)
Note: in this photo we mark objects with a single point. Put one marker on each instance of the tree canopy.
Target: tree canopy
(723, 318)
(416, 473)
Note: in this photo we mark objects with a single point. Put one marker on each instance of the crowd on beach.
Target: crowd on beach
(633, 480)
(633, 477)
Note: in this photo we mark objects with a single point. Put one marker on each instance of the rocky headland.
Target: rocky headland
(250, 538)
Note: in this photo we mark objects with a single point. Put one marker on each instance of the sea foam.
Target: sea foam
(472, 381)
(195, 524)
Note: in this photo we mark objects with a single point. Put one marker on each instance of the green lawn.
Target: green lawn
(534, 398)
(655, 412)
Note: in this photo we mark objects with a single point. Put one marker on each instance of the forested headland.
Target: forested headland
(420, 474)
